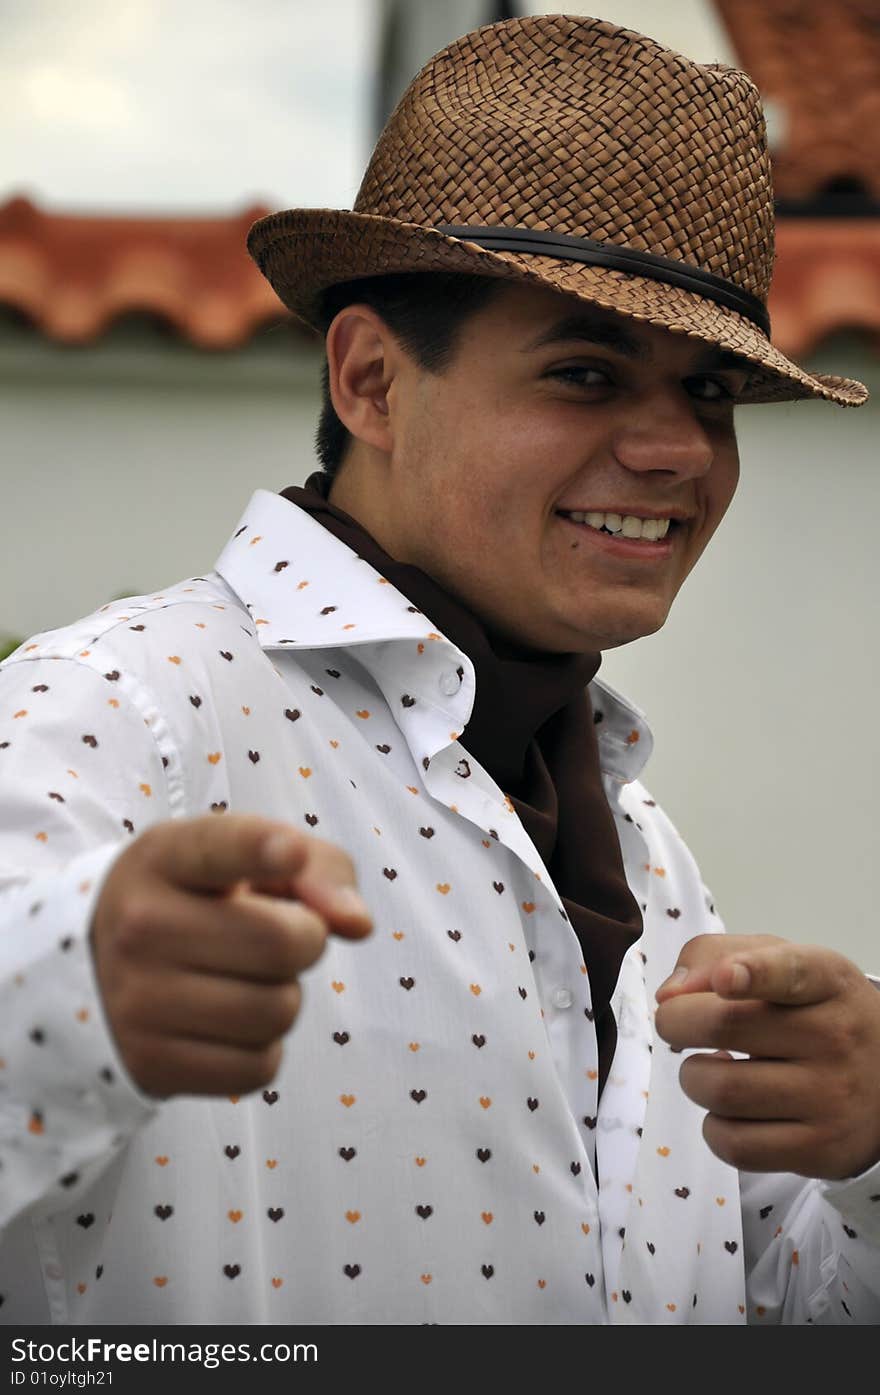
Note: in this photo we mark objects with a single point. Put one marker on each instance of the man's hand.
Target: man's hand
(807, 1099)
(200, 933)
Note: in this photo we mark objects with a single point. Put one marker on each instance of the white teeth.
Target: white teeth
(628, 526)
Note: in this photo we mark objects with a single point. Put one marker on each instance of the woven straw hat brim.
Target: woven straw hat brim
(301, 252)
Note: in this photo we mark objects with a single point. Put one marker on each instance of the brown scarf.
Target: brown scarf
(532, 729)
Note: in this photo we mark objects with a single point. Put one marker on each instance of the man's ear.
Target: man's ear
(362, 356)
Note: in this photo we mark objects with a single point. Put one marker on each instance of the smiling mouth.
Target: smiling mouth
(629, 528)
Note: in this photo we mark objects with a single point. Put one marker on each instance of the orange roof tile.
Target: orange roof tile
(826, 278)
(72, 275)
(817, 65)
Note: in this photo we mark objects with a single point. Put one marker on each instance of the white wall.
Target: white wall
(125, 467)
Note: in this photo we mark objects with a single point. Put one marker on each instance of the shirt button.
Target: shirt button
(449, 682)
(54, 1271)
(562, 998)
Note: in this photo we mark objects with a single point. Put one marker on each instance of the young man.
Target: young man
(539, 318)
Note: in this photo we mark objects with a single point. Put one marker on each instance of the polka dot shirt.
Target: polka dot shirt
(430, 1148)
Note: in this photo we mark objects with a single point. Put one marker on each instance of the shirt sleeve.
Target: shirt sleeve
(80, 775)
(813, 1249)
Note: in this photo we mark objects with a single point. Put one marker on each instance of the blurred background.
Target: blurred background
(150, 380)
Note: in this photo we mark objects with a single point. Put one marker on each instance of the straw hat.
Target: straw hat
(571, 154)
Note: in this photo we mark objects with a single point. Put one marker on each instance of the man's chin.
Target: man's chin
(570, 634)
(624, 631)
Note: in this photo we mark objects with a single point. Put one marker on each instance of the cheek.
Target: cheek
(726, 487)
(716, 501)
(721, 483)
(484, 469)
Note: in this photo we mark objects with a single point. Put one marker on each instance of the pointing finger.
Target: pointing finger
(327, 883)
(785, 973)
(699, 956)
(212, 854)
(337, 901)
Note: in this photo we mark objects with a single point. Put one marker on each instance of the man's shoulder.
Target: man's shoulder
(137, 632)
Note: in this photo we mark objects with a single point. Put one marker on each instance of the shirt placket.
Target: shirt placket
(561, 980)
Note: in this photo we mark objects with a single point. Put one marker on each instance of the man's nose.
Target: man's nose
(664, 434)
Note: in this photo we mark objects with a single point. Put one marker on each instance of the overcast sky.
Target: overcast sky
(202, 105)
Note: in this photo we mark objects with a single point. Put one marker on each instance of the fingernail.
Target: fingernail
(740, 978)
(349, 902)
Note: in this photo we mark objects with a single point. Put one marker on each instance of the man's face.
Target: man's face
(552, 410)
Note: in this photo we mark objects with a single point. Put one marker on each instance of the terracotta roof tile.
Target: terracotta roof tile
(817, 65)
(826, 278)
(73, 274)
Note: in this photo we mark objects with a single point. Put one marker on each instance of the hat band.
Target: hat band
(584, 249)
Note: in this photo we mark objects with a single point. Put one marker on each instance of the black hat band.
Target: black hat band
(637, 263)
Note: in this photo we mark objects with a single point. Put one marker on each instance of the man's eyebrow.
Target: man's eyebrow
(591, 329)
(609, 334)
(722, 358)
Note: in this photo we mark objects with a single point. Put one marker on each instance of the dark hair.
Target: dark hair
(424, 309)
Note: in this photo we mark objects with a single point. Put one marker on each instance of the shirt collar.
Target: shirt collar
(304, 589)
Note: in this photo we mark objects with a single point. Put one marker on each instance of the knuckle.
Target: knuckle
(141, 1062)
(710, 1085)
(725, 1142)
(663, 1023)
(290, 1005)
(280, 1010)
(841, 1037)
(827, 1136)
(844, 974)
(797, 972)
(151, 846)
(125, 1008)
(131, 1006)
(133, 923)
(308, 933)
(705, 940)
(347, 867)
(836, 1155)
(200, 844)
(697, 947)
(335, 860)
(688, 1079)
(262, 1066)
(294, 942)
(728, 1022)
(726, 1092)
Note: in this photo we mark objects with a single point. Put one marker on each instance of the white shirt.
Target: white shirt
(429, 1149)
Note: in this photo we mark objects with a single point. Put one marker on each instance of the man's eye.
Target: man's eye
(709, 389)
(580, 376)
